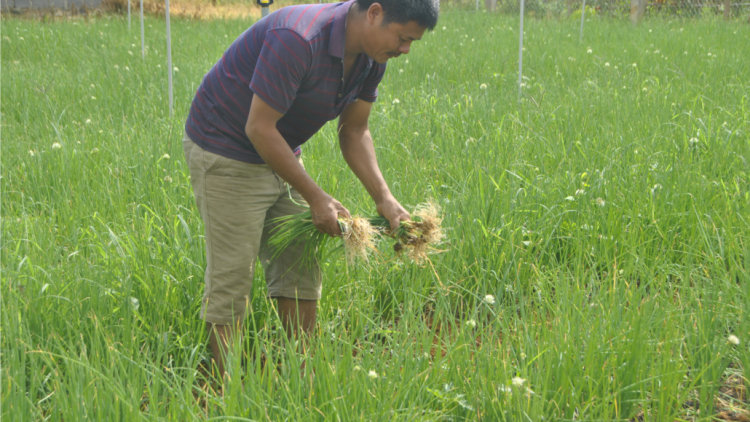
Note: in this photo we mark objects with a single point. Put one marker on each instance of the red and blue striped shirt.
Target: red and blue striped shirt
(294, 60)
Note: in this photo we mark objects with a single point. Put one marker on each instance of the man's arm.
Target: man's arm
(356, 145)
(268, 142)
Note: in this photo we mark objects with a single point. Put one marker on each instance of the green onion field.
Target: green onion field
(596, 264)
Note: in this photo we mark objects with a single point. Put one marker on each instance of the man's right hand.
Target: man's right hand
(325, 211)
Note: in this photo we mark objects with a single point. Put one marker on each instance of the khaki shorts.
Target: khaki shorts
(236, 200)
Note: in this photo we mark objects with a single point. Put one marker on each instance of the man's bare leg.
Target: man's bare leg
(296, 313)
(220, 338)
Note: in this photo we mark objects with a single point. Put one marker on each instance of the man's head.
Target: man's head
(392, 25)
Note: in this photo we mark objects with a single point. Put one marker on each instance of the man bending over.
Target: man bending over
(274, 88)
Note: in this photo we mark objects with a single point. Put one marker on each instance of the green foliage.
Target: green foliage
(576, 15)
(606, 215)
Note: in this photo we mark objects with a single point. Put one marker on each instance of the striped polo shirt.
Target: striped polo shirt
(294, 60)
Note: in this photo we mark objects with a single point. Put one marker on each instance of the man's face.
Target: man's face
(391, 40)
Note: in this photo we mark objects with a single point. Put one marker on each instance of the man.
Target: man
(276, 86)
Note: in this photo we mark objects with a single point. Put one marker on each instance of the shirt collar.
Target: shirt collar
(338, 30)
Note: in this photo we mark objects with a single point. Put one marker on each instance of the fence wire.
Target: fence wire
(688, 9)
(609, 8)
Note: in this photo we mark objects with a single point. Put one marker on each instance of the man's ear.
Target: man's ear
(375, 14)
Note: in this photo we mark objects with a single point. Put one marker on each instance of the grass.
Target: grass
(607, 213)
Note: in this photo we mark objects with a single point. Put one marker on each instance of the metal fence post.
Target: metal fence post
(169, 60)
(583, 15)
(143, 39)
(520, 54)
(264, 7)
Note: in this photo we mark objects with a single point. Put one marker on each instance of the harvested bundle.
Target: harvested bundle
(358, 235)
(415, 238)
(295, 228)
(419, 236)
(356, 232)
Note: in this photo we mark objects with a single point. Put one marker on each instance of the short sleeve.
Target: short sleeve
(369, 91)
(282, 64)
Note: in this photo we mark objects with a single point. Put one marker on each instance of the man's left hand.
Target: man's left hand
(393, 211)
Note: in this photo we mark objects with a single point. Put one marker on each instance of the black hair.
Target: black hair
(424, 12)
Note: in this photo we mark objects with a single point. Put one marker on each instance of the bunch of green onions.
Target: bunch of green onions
(415, 238)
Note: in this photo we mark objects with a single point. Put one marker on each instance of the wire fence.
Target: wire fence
(689, 9)
(609, 8)
(636, 10)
